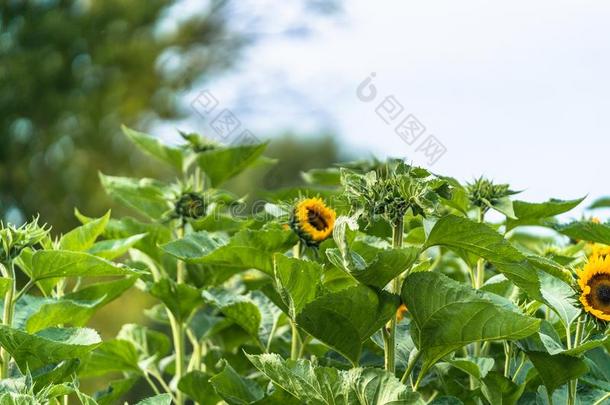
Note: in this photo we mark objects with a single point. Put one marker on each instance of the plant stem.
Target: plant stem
(573, 384)
(294, 347)
(7, 319)
(295, 350)
(178, 337)
(410, 367)
(602, 399)
(518, 370)
(390, 336)
(507, 358)
(177, 325)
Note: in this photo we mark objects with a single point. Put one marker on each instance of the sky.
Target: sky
(517, 91)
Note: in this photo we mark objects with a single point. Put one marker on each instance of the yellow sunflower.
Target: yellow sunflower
(312, 220)
(599, 250)
(400, 312)
(594, 282)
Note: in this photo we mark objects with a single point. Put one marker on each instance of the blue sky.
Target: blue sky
(517, 91)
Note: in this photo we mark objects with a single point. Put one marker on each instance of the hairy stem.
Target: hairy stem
(390, 335)
(573, 384)
(295, 350)
(177, 326)
(7, 318)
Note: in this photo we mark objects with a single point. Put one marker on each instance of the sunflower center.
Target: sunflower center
(317, 220)
(603, 294)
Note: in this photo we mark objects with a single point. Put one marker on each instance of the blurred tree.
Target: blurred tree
(71, 72)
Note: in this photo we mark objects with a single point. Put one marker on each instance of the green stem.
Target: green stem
(573, 384)
(7, 319)
(294, 338)
(507, 358)
(294, 347)
(410, 367)
(178, 337)
(602, 399)
(390, 336)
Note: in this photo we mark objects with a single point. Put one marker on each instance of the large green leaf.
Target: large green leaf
(556, 370)
(383, 268)
(113, 248)
(196, 384)
(63, 263)
(111, 356)
(297, 282)
(156, 234)
(235, 389)
(345, 319)
(83, 237)
(154, 147)
(180, 299)
(560, 297)
(115, 390)
(247, 249)
(254, 312)
(477, 238)
(586, 230)
(48, 346)
(329, 386)
(535, 213)
(147, 196)
(73, 309)
(450, 315)
(224, 163)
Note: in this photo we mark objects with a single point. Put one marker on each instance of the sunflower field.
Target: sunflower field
(379, 283)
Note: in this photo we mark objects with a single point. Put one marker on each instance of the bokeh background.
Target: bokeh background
(517, 91)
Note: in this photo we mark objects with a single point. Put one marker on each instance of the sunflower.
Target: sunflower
(599, 250)
(594, 282)
(312, 220)
(400, 312)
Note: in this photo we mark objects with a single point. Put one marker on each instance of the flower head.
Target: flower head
(594, 283)
(400, 312)
(190, 205)
(312, 220)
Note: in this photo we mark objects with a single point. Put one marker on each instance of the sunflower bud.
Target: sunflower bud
(191, 205)
(483, 193)
(312, 221)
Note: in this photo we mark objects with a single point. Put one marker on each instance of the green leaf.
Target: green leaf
(451, 315)
(504, 206)
(83, 237)
(72, 309)
(155, 148)
(194, 245)
(48, 346)
(235, 389)
(386, 265)
(535, 213)
(297, 282)
(586, 230)
(481, 240)
(560, 297)
(148, 343)
(147, 196)
(345, 319)
(224, 163)
(113, 248)
(54, 374)
(498, 389)
(556, 370)
(111, 356)
(63, 263)
(324, 385)
(180, 299)
(476, 367)
(247, 249)
(162, 399)
(115, 391)
(196, 384)
(254, 312)
(603, 202)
